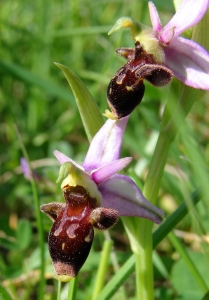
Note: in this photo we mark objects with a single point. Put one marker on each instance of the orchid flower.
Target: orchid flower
(95, 196)
(99, 169)
(159, 54)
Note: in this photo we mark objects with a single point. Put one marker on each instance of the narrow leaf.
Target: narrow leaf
(103, 267)
(191, 265)
(174, 218)
(117, 280)
(24, 234)
(91, 117)
(4, 295)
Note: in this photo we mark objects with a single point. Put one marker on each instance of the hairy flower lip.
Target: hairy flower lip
(72, 231)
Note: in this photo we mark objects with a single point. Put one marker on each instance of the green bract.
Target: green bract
(91, 117)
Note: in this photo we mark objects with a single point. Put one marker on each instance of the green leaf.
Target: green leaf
(102, 269)
(91, 117)
(24, 234)
(191, 265)
(159, 265)
(7, 244)
(81, 31)
(4, 295)
(186, 285)
(33, 79)
(206, 296)
(73, 287)
(175, 218)
(117, 280)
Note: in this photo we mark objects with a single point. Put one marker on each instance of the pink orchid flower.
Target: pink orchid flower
(187, 59)
(100, 166)
(95, 196)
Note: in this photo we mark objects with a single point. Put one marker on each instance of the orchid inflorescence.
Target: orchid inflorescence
(95, 195)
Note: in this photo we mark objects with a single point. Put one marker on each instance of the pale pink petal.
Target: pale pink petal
(63, 159)
(189, 13)
(26, 171)
(105, 172)
(189, 62)
(25, 168)
(155, 19)
(105, 146)
(121, 193)
(166, 36)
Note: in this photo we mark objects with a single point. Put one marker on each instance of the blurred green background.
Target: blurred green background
(35, 97)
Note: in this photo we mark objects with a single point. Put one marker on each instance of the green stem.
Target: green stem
(59, 284)
(73, 289)
(39, 221)
(143, 254)
(102, 270)
(144, 270)
(121, 292)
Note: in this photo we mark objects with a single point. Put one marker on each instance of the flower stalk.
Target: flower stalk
(102, 269)
(72, 289)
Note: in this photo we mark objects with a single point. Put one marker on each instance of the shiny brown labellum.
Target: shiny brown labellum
(72, 233)
(126, 89)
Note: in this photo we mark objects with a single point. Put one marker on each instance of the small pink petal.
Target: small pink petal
(189, 62)
(155, 19)
(121, 193)
(25, 167)
(105, 146)
(26, 171)
(63, 158)
(167, 35)
(105, 172)
(189, 13)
